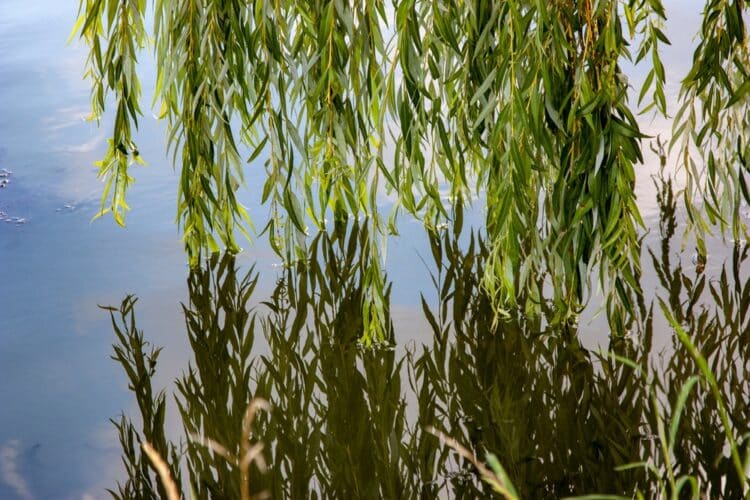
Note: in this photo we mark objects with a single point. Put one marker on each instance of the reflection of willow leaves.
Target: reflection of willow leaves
(716, 315)
(214, 393)
(139, 363)
(523, 390)
(339, 418)
(560, 418)
(527, 391)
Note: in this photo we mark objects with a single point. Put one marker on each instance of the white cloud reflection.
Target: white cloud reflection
(9, 473)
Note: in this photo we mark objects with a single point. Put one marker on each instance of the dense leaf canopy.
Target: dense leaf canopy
(522, 103)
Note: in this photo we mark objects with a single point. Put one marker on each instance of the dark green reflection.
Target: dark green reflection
(349, 422)
(529, 393)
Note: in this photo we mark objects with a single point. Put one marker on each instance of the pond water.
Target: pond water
(365, 412)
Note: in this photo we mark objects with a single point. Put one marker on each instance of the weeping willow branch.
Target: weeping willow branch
(115, 33)
(521, 103)
(712, 126)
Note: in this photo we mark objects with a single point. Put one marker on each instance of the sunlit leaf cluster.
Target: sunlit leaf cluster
(116, 34)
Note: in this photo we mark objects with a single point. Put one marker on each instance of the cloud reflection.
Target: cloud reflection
(9, 473)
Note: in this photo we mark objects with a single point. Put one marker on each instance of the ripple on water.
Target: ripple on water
(68, 207)
(5, 180)
(5, 177)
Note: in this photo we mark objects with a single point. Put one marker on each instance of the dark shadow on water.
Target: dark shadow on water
(349, 422)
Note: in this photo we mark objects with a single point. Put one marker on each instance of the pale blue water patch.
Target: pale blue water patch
(58, 387)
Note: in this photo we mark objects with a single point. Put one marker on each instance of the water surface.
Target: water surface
(58, 386)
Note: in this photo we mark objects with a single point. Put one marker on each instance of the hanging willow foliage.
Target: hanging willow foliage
(527, 100)
(520, 102)
(712, 127)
